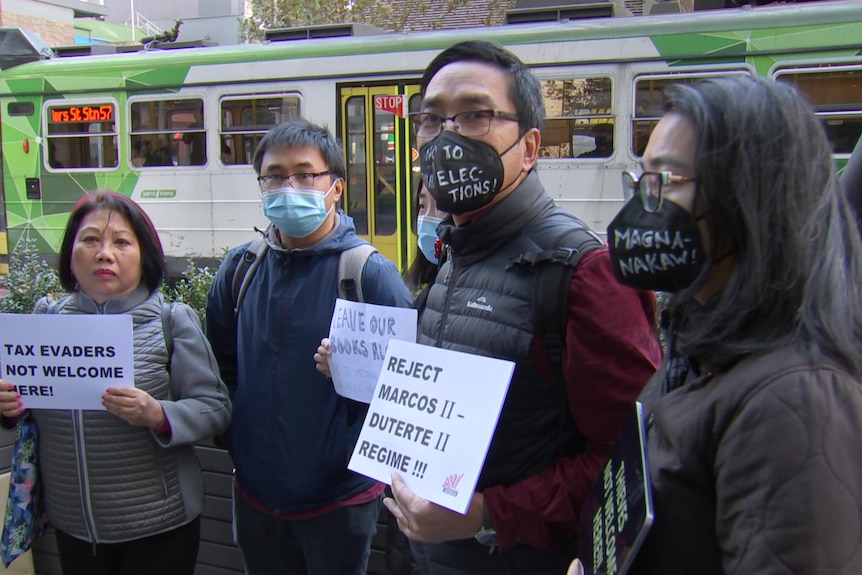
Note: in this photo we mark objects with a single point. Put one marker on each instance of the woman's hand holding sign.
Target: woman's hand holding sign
(134, 406)
(10, 400)
(421, 520)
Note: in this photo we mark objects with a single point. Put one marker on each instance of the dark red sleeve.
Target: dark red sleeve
(611, 350)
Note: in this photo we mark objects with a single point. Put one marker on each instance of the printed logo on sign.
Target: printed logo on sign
(450, 484)
(481, 303)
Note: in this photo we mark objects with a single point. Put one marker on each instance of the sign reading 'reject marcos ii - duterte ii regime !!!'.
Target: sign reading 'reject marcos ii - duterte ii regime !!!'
(431, 419)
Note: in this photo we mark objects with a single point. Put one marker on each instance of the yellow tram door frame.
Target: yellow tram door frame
(377, 149)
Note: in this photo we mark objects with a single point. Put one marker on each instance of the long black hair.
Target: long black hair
(767, 184)
(421, 272)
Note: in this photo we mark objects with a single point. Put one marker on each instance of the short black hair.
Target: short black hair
(525, 90)
(152, 254)
(300, 133)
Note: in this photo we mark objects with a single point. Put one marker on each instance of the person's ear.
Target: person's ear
(337, 189)
(532, 141)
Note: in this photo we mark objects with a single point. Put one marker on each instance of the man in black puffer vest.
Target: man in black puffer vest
(479, 135)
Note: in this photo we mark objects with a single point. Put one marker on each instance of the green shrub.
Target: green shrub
(30, 277)
(192, 288)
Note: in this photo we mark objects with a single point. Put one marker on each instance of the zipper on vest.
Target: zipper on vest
(449, 278)
(81, 451)
(86, 501)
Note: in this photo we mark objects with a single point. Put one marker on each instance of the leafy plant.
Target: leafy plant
(30, 277)
(192, 288)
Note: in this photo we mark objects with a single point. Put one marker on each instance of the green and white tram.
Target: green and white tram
(176, 129)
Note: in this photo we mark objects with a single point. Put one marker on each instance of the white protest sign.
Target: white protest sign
(66, 361)
(432, 417)
(359, 334)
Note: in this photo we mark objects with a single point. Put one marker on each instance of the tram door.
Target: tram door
(380, 156)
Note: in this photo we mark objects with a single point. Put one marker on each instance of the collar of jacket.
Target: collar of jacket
(487, 233)
(341, 237)
(112, 306)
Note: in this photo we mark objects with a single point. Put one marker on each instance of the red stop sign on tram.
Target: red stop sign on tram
(392, 103)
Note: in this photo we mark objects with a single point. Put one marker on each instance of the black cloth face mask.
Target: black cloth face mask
(462, 174)
(659, 250)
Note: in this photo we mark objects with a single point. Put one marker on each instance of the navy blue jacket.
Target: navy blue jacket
(291, 435)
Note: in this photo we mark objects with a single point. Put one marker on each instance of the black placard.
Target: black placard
(618, 512)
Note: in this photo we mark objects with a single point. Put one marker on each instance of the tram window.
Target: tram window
(81, 136)
(650, 99)
(835, 93)
(168, 133)
(245, 120)
(357, 169)
(579, 118)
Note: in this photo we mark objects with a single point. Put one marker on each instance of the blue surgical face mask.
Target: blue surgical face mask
(296, 213)
(426, 229)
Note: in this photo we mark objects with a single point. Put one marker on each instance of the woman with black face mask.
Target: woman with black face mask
(755, 418)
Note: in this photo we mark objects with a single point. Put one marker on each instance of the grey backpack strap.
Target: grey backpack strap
(54, 306)
(251, 258)
(167, 310)
(351, 262)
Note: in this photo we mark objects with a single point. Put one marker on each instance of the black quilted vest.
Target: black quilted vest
(481, 304)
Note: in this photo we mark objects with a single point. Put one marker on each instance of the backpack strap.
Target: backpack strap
(351, 262)
(54, 306)
(251, 258)
(167, 331)
(551, 290)
(554, 270)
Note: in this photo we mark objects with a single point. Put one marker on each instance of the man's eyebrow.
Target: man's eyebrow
(464, 101)
(291, 168)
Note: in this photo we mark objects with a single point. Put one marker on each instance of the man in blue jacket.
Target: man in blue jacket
(297, 508)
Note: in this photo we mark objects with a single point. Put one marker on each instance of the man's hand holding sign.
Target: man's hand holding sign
(70, 362)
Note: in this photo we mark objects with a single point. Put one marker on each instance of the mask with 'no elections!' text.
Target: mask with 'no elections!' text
(462, 174)
(659, 250)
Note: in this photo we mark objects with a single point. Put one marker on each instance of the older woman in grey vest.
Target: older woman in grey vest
(123, 487)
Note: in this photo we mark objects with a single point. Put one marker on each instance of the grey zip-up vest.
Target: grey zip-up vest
(107, 481)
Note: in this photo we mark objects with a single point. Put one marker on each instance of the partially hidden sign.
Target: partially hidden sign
(392, 103)
(359, 333)
(66, 361)
(618, 512)
(431, 419)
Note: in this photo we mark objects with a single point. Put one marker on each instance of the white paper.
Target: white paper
(66, 361)
(359, 334)
(431, 419)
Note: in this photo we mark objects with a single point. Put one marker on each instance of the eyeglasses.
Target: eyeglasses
(470, 123)
(302, 180)
(649, 187)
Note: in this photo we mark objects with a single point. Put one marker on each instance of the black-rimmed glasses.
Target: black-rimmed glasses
(301, 180)
(471, 123)
(649, 186)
